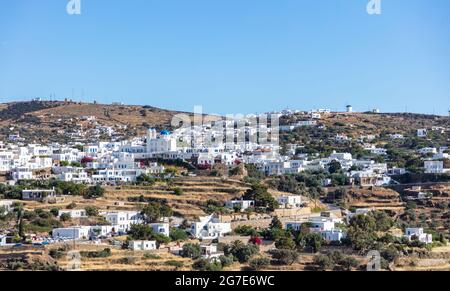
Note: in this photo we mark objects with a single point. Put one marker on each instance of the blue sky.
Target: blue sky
(230, 56)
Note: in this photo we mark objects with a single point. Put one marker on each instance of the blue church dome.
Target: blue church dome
(165, 132)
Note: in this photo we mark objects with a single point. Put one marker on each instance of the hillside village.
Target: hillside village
(116, 187)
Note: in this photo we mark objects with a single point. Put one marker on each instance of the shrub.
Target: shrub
(285, 257)
(323, 262)
(151, 256)
(91, 211)
(65, 217)
(94, 192)
(245, 230)
(173, 263)
(192, 251)
(177, 234)
(259, 263)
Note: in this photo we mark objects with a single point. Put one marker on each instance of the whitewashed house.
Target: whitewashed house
(7, 206)
(419, 234)
(22, 173)
(38, 194)
(290, 201)
(425, 151)
(161, 228)
(434, 167)
(122, 220)
(74, 213)
(241, 204)
(2, 240)
(142, 245)
(6, 159)
(333, 235)
(72, 233)
(209, 252)
(422, 132)
(209, 227)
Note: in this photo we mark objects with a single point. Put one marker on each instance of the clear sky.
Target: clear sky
(230, 56)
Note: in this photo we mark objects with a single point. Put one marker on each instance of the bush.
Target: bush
(245, 230)
(177, 234)
(285, 257)
(97, 254)
(94, 192)
(55, 212)
(206, 265)
(178, 191)
(323, 262)
(241, 252)
(259, 263)
(226, 261)
(192, 251)
(173, 263)
(65, 217)
(91, 211)
(151, 256)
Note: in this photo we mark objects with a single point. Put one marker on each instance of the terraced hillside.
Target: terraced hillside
(195, 192)
(376, 198)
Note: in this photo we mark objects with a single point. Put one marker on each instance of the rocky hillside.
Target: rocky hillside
(60, 121)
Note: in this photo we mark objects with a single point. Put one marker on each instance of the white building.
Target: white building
(290, 201)
(434, 167)
(161, 143)
(142, 245)
(7, 205)
(122, 220)
(422, 133)
(22, 173)
(71, 233)
(333, 235)
(2, 240)
(424, 151)
(209, 252)
(38, 194)
(241, 204)
(418, 233)
(74, 213)
(161, 228)
(209, 227)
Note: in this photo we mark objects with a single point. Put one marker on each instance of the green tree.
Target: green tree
(177, 234)
(54, 211)
(154, 211)
(94, 192)
(262, 197)
(241, 251)
(259, 263)
(348, 263)
(314, 241)
(284, 256)
(140, 232)
(276, 223)
(334, 167)
(192, 251)
(91, 211)
(285, 242)
(323, 262)
(65, 217)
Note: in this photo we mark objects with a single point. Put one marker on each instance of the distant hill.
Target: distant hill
(45, 120)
